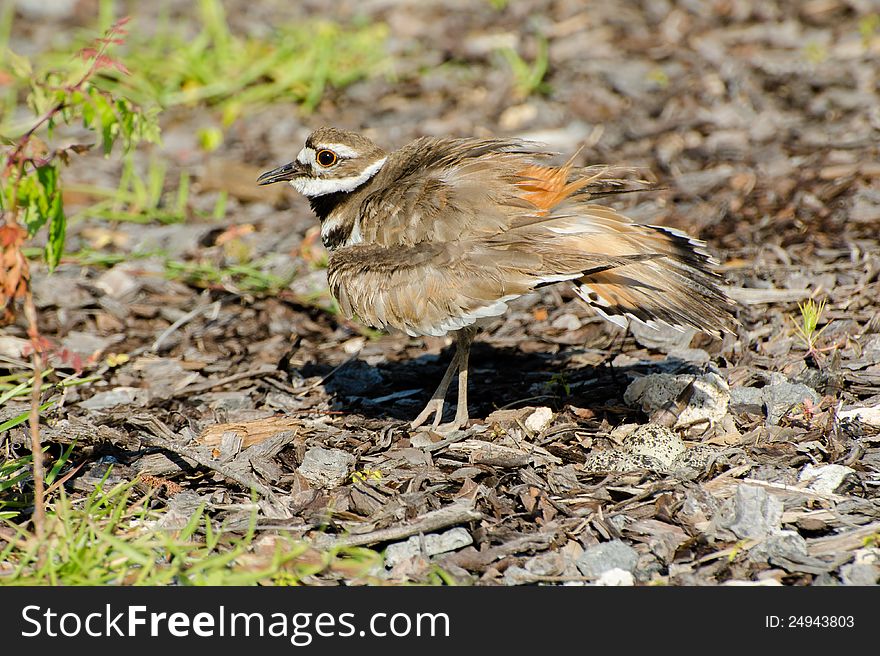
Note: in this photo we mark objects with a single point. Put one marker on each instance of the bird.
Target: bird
(439, 236)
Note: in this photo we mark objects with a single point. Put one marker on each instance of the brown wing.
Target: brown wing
(491, 223)
(434, 288)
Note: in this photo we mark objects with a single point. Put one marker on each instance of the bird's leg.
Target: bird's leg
(465, 338)
(435, 405)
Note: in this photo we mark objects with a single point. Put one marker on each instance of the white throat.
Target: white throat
(313, 187)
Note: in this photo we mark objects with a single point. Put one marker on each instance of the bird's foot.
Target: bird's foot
(460, 421)
(435, 407)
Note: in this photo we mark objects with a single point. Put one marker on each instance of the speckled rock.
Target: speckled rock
(708, 403)
(616, 460)
(747, 399)
(655, 441)
(695, 457)
(433, 543)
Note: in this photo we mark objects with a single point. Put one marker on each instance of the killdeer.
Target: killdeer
(439, 236)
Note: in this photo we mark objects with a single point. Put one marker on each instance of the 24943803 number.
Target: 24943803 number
(821, 621)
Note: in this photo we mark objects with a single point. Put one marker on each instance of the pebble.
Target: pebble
(327, 468)
(780, 397)
(435, 543)
(600, 558)
(116, 397)
(747, 399)
(751, 513)
(616, 577)
(539, 420)
(118, 283)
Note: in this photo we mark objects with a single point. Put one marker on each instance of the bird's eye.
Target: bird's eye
(326, 158)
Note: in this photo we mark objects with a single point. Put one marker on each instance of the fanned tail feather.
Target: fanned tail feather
(673, 285)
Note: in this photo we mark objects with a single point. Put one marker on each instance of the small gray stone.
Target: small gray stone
(118, 282)
(606, 556)
(538, 420)
(516, 575)
(779, 398)
(785, 545)
(747, 399)
(435, 543)
(751, 513)
(616, 577)
(548, 564)
(655, 441)
(116, 397)
(59, 291)
(326, 468)
(860, 574)
(87, 344)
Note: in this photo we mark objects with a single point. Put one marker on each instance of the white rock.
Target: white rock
(825, 479)
(709, 401)
(539, 419)
(870, 416)
(751, 513)
(616, 577)
(566, 321)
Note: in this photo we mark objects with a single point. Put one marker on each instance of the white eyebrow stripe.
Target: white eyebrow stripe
(340, 149)
(312, 187)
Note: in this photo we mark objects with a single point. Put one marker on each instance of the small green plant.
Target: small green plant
(528, 78)
(560, 381)
(808, 327)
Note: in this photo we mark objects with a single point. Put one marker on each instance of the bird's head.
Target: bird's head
(332, 161)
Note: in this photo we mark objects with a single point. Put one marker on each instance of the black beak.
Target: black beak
(281, 174)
